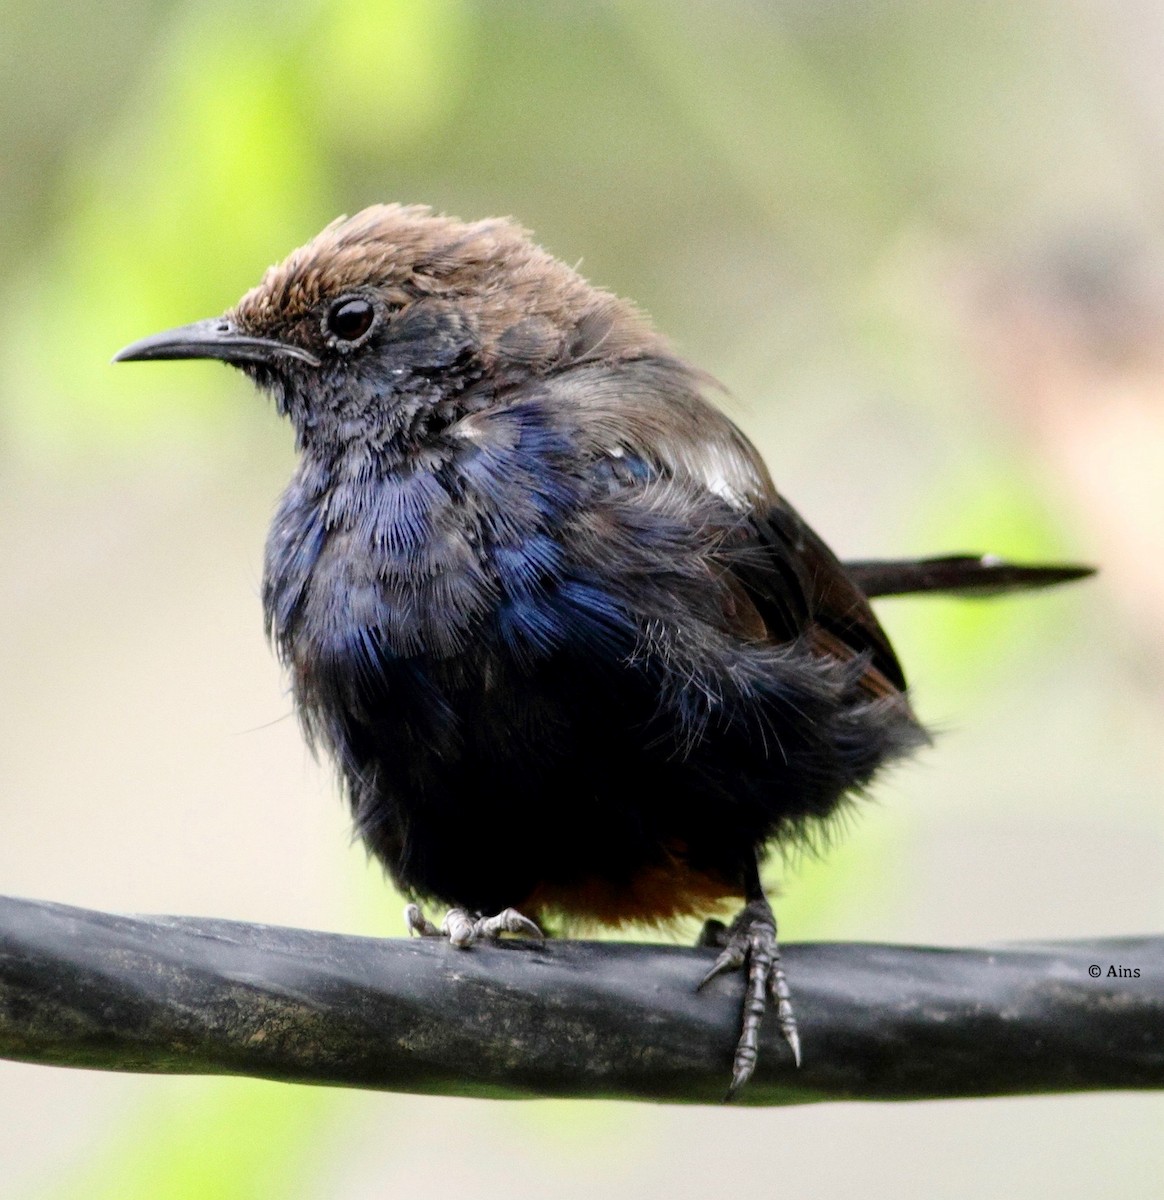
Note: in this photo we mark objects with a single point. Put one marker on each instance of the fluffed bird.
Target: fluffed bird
(573, 654)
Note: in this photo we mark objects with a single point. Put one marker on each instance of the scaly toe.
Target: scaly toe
(417, 923)
(785, 1018)
(509, 920)
(460, 928)
(731, 958)
(464, 928)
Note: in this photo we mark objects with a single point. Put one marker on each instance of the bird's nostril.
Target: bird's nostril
(223, 327)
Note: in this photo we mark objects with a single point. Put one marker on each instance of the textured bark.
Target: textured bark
(600, 1019)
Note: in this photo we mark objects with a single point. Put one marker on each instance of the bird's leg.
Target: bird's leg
(749, 943)
(463, 928)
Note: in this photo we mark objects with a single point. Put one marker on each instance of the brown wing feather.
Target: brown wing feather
(779, 581)
(833, 602)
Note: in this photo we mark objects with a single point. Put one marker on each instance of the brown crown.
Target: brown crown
(492, 268)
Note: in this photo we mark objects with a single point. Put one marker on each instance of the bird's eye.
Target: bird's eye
(348, 320)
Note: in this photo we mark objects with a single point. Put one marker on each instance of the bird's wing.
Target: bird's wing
(779, 581)
(837, 617)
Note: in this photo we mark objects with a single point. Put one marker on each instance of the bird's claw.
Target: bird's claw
(751, 944)
(509, 920)
(731, 958)
(417, 923)
(463, 928)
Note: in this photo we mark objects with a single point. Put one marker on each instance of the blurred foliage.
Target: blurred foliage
(783, 186)
(232, 1140)
(963, 642)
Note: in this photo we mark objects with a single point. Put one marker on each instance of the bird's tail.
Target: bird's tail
(957, 574)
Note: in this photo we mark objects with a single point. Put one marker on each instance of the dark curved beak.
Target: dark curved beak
(216, 338)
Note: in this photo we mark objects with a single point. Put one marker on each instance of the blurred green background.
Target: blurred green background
(923, 245)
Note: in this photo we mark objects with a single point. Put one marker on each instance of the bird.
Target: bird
(574, 656)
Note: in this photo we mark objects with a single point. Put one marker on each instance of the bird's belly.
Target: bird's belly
(656, 894)
(498, 752)
(482, 784)
(486, 840)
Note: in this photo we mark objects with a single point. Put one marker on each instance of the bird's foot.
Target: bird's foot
(463, 928)
(749, 943)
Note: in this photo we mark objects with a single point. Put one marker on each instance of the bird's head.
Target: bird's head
(386, 317)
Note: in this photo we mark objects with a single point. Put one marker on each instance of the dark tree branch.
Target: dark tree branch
(180, 995)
